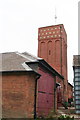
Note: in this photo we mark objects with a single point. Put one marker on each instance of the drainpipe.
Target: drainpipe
(61, 58)
(61, 49)
(35, 95)
(55, 94)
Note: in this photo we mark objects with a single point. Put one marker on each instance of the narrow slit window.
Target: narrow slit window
(49, 52)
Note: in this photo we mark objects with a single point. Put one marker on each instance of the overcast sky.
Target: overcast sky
(20, 20)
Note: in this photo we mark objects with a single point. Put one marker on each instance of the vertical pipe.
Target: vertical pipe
(35, 95)
(61, 60)
(61, 49)
(55, 94)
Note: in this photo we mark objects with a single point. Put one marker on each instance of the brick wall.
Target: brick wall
(18, 96)
(52, 46)
(70, 91)
(45, 98)
(60, 92)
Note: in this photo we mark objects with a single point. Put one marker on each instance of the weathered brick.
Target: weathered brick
(18, 95)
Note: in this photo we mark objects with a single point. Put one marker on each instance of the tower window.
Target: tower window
(49, 52)
(64, 87)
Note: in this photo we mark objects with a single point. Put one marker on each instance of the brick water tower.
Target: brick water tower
(52, 46)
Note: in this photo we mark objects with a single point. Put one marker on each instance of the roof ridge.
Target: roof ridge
(26, 66)
(24, 56)
(8, 52)
(32, 55)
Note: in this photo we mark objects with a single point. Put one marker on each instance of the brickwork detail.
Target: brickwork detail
(18, 96)
(52, 46)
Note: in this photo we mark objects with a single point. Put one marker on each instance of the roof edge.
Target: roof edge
(52, 25)
(70, 84)
(12, 72)
(51, 69)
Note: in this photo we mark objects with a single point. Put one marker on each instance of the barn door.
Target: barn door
(59, 97)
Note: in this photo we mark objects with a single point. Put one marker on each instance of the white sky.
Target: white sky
(20, 20)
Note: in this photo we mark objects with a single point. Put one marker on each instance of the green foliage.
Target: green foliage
(62, 117)
(65, 117)
(70, 102)
(47, 119)
(72, 111)
(65, 104)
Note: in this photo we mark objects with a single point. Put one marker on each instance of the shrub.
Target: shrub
(65, 104)
(65, 117)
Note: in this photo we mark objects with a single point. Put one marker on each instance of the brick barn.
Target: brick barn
(18, 86)
(47, 86)
(29, 86)
(34, 86)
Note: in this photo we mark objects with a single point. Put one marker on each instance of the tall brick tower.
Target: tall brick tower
(52, 46)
